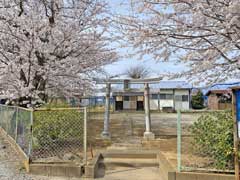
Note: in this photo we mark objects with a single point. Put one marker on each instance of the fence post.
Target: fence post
(1, 116)
(16, 128)
(179, 141)
(7, 121)
(31, 135)
(85, 135)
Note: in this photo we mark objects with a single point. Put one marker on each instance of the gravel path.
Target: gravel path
(11, 169)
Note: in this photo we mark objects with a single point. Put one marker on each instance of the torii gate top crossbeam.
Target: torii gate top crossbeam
(132, 81)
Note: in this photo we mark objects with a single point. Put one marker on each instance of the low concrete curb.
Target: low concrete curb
(64, 170)
(198, 176)
(164, 167)
(92, 167)
(133, 153)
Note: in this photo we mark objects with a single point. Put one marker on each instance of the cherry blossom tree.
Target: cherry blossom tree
(204, 34)
(50, 47)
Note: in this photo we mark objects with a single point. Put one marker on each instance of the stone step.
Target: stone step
(124, 146)
(130, 154)
(111, 163)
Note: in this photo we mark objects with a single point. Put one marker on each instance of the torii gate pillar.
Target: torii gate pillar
(106, 133)
(148, 135)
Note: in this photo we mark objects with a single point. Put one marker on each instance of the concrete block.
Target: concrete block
(57, 170)
(38, 169)
(149, 136)
(92, 168)
(106, 135)
(73, 171)
(89, 171)
(188, 176)
(64, 170)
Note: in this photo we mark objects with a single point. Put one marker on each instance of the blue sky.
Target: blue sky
(121, 7)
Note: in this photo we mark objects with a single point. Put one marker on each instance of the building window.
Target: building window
(154, 96)
(166, 96)
(126, 84)
(178, 98)
(185, 98)
(126, 98)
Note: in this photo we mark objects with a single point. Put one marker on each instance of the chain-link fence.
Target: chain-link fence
(205, 144)
(58, 134)
(16, 122)
(47, 135)
(125, 127)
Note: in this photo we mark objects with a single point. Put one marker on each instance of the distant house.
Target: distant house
(219, 99)
(164, 96)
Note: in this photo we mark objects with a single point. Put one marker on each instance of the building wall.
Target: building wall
(166, 102)
(183, 105)
(213, 102)
(160, 104)
(153, 104)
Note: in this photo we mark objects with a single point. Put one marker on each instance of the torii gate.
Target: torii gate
(147, 134)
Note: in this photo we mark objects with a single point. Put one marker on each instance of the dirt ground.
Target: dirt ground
(128, 128)
(125, 126)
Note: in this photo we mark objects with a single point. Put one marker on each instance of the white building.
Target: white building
(164, 96)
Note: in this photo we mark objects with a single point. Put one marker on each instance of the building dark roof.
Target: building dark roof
(220, 86)
(219, 91)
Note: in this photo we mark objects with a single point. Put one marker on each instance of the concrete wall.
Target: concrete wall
(153, 104)
(166, 103)
(198, 176)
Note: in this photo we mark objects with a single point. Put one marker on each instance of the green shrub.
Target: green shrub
(57, 126)
(56, 103)
(198, 101)
(213, 137)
